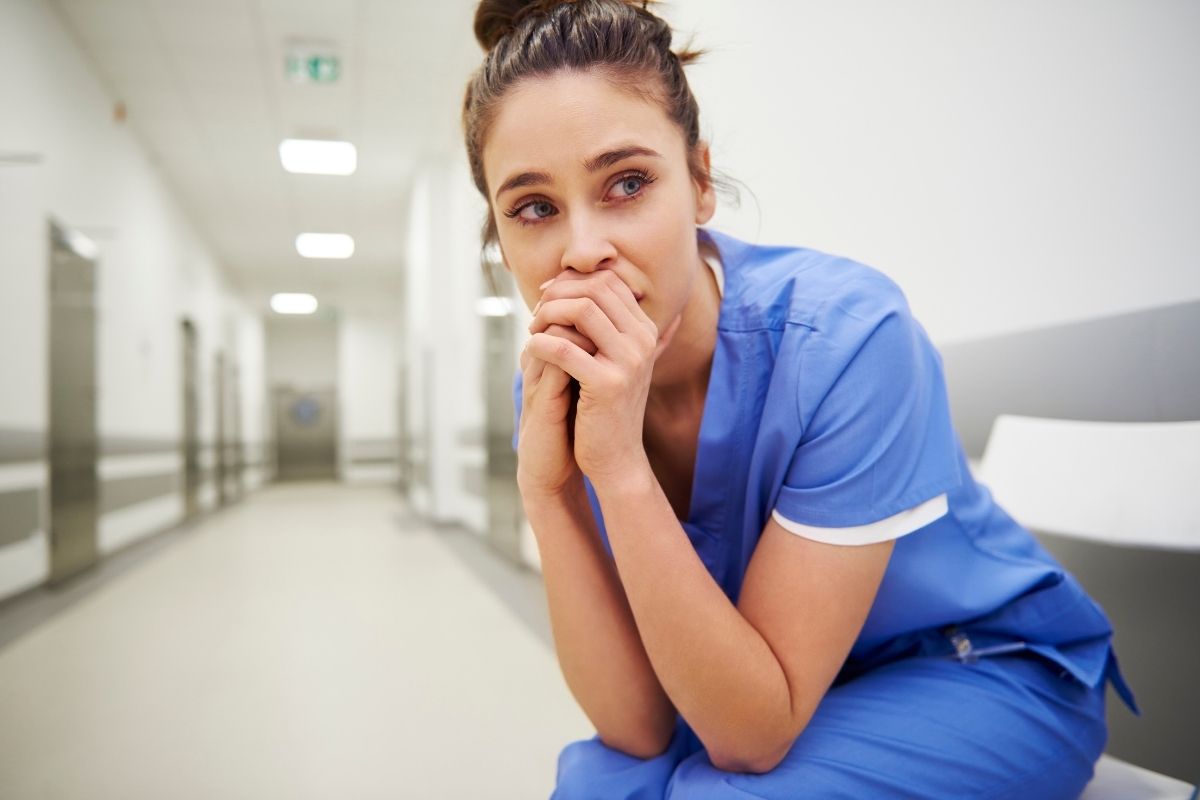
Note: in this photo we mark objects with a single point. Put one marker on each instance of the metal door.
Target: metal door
(72, 438)
(191, 421)
(305, 433)
(237, 455)
(221, 457)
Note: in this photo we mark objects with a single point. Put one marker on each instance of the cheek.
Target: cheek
(529, 269)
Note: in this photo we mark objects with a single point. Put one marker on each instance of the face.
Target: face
(584, 176)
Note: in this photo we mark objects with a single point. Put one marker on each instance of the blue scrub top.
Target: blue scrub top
(827, 408)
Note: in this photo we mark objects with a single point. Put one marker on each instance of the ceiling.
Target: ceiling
(205, 87)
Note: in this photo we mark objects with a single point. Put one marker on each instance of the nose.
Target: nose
(589, 247)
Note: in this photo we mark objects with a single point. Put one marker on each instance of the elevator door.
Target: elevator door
(191, 421)
(236, 468)
(306, 433)
(72, 435)
(221, 462)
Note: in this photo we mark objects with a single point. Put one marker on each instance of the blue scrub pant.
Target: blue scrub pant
(928, 726)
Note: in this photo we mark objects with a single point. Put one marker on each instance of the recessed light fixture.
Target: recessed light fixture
(293, 303)
(318, 157)
(325, 245)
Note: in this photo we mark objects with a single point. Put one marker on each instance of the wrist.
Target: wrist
(632, 482)
(570, 496)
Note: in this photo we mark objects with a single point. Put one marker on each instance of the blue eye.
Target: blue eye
(532, 212)
(630, 186)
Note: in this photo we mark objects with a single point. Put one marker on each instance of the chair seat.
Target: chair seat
(1119, 780)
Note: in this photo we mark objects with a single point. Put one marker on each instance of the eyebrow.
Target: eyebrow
(593, 164)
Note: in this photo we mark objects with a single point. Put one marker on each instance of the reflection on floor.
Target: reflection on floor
(308, 643)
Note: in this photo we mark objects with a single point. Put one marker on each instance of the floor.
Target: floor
(313, 641)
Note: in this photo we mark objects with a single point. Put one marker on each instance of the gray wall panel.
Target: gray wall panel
(1139, 367)
(121, 492)
(17, 445)
(20, 514)
(137, 445)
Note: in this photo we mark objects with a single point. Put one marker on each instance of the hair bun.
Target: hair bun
(494, 19)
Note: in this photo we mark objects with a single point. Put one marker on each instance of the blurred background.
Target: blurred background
(259, 531)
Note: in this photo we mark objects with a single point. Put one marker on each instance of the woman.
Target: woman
(767, 565)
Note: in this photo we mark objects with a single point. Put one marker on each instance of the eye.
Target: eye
(532, 212)
(629, 186)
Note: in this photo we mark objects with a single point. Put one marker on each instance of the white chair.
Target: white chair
(1134, 485)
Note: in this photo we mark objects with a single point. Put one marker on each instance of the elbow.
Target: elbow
(756, 758)
(649, 739)
(753, 763)
(644, 748)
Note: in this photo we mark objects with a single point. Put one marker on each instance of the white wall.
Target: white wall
(442, 342)
(250, 356)
(368, 355)
(302, 351)
(90, 173)
(1011, 165)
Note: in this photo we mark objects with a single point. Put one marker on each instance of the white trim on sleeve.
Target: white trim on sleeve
(893, 527)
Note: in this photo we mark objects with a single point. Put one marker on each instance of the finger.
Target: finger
(586, 316)
(608, 290)
(554, 380)
(531, 372)
(569, 332)
(565, 354)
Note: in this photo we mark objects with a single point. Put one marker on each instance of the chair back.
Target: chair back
(1128, 483)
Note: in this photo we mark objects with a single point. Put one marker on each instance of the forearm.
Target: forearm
(599, 651)
(718, 670)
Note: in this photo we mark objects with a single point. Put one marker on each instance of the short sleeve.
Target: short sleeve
(877, 451)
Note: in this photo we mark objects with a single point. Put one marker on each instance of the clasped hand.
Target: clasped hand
(590, 328)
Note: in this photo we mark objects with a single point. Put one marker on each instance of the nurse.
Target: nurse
(769, 571)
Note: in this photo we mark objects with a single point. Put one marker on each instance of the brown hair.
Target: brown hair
(622, 40)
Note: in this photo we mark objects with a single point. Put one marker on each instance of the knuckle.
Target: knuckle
(588, 308)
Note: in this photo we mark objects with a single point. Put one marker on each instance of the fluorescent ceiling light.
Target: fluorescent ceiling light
(493, 306)
(325, 245)
(317, 157)
(285, 303)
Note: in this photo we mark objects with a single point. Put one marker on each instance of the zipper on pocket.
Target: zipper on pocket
(967, 653)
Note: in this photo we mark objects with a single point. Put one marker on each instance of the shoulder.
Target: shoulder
(772, 286)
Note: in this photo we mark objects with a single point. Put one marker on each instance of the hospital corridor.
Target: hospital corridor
(286, 511)
(276, 651)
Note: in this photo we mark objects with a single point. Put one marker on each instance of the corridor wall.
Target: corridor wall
(1012, 165)
(65, 157)
(442, 348)
(368, 359)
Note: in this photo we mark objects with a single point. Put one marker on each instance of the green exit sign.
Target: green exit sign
(312, 68)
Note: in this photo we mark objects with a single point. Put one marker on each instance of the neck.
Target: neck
(682, 370)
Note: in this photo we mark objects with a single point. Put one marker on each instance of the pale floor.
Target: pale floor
(310, 642)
